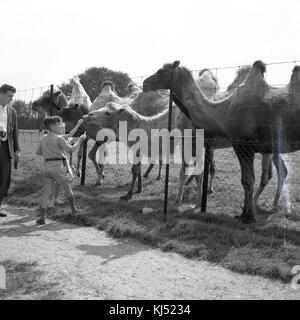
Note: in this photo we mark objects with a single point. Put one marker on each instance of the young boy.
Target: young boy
(53, 147)
(56, 186)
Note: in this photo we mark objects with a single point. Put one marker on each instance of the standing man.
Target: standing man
(9, 135)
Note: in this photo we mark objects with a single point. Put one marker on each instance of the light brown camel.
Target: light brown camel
(254, 118)
(110, 116)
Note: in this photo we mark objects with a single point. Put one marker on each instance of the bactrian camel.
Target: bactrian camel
(110, 116)
(211, 91)
(254, 118)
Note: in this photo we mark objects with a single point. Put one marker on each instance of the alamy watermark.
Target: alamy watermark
(153, 146)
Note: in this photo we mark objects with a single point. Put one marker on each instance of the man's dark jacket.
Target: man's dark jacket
(12, 131)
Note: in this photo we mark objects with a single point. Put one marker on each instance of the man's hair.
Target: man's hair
(49, 121)
(6, 87)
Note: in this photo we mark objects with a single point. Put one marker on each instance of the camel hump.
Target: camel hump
(295, 79)
(261, 66)
(296, 69)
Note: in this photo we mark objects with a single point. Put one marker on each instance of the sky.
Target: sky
(44, 42)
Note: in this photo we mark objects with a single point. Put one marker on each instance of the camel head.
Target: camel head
(50, 105)
(107, 117)
(162, 79)
(75, 81)
(109, 84)
(72, 113)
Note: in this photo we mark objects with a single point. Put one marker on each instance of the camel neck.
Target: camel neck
(107, 90)
(204, 113)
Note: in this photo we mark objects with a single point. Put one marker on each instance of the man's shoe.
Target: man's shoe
(3, 215)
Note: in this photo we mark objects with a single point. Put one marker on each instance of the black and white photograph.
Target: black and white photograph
(149, 153)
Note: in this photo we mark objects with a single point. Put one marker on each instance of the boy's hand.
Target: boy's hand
(80, 121)
(83, 137)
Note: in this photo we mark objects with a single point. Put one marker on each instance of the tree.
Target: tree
(93, 78)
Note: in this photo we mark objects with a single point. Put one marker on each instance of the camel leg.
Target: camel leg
(199, 179)
(266, 176)
(159, 170)
(282, 173)
(135, 172)
(246, 160)
(189, 180)
(212, 171)
(99, 167)
(146, 175)
(79, 158)
(140, 182)
(182, 181)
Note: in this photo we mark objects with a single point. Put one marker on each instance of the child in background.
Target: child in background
(53, 147)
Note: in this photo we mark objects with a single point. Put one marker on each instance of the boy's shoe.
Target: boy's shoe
(41, 221)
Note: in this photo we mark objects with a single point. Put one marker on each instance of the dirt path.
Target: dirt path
(84, 263)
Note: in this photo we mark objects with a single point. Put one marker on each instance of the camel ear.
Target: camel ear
(176, 64)
(57, 93)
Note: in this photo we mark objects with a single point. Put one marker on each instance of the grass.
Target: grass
(270, 247)
(24, 280)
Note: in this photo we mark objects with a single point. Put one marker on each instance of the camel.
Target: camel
(255, 117)
(78, 95)
(133, 90)
(212, 92)
(110, 116)
(106, 95)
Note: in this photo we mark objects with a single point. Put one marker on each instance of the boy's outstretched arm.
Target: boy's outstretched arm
(73, 131)
(64, 145)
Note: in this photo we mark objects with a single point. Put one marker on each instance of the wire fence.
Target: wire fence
(226, 194)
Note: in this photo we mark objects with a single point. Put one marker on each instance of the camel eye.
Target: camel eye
(160, 71)
(107, 113)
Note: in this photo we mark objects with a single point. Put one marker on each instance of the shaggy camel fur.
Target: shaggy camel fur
(254, 118)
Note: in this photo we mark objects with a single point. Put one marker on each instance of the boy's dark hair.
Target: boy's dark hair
(6, 87)
(49, 121)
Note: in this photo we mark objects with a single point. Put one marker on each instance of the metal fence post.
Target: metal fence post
(83, 168)
(168, 159)
(205, 174)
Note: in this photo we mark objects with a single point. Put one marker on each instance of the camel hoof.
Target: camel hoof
(267, 211)
(138, 190)
(177, 203)
(245, 219)
(127, 197)
(293, 217)
(78, 173)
